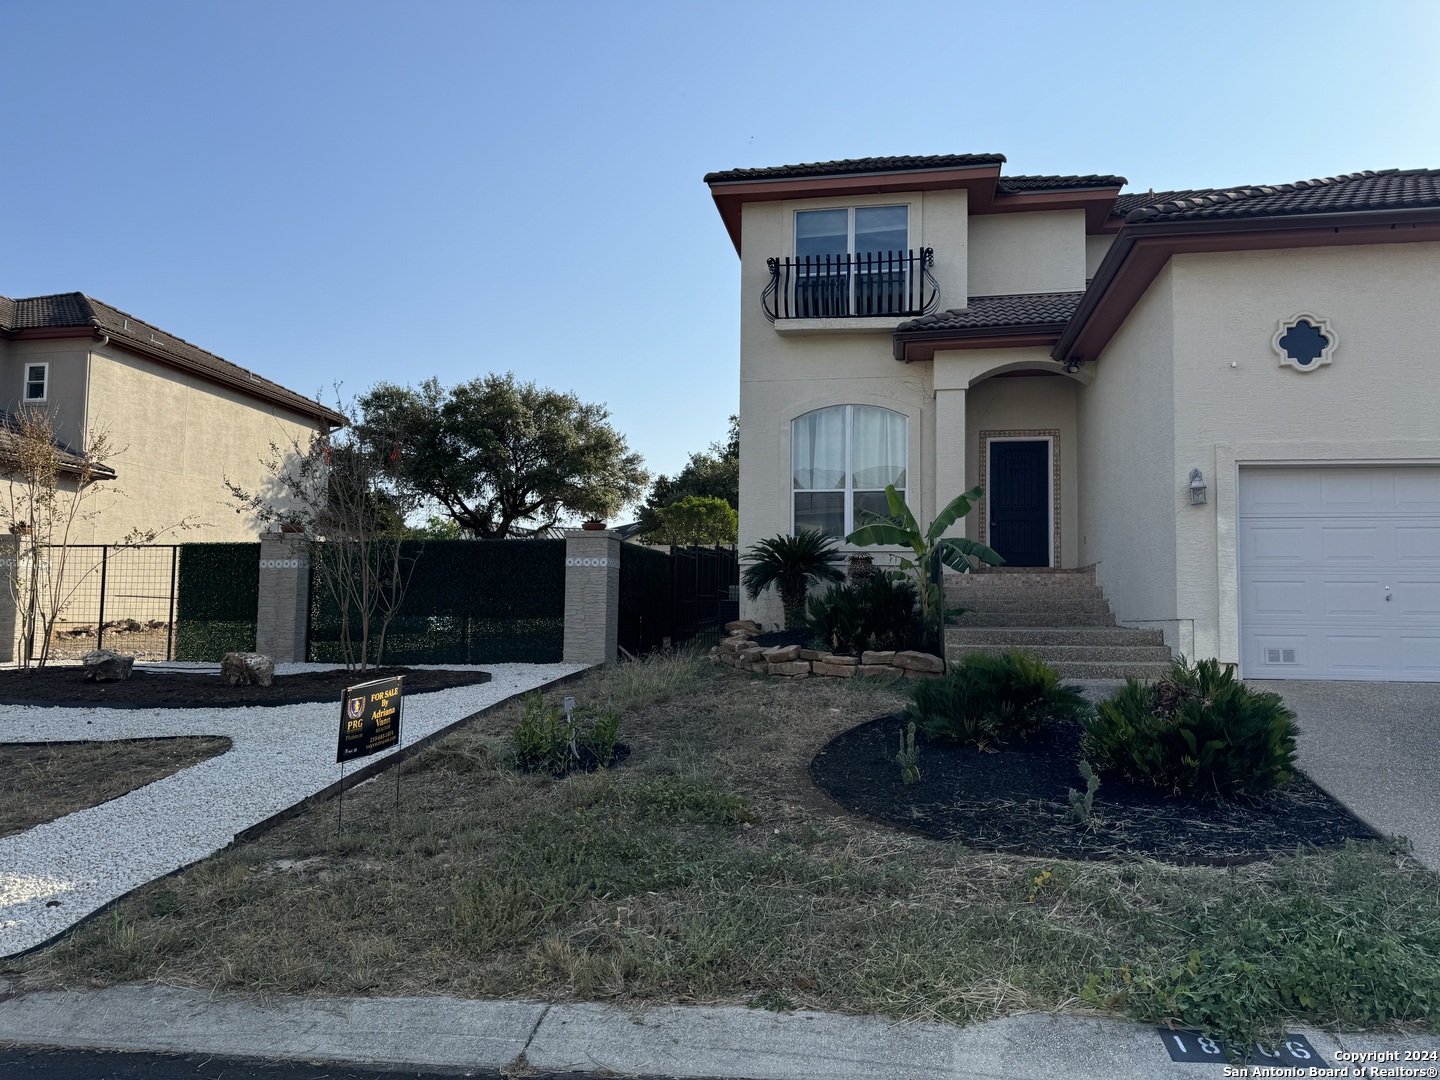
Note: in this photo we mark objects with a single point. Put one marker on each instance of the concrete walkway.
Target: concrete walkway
(695, 1041)
(55, 874)
(1374, 746)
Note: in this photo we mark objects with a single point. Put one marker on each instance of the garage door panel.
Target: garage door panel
(1418, 490)
(1417, 544)
(1319, 550)
(1341, 544)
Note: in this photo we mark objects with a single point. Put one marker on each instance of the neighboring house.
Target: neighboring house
(181, 419)
(1225, 401)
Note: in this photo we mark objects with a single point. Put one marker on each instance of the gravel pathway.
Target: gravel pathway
(55, 874)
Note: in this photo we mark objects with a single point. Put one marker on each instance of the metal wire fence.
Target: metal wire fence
(114, 597)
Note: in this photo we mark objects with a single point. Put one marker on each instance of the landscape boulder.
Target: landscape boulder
(247, 669)
(926, 663)
(103, 665)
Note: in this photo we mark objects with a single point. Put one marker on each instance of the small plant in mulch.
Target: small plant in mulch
(909, 756)
(1196, 731)
(986, 701)
(1082, 803)
(560, 741)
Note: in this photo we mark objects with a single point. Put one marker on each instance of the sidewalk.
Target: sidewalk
(681, 1041)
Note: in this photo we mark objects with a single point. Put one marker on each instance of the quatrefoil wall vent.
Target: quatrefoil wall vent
(1305, 342)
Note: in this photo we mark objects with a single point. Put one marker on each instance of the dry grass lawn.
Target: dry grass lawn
(40, 782)
(707, 868)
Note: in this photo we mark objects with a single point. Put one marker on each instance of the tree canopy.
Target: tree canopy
(498, 456)
(710, 474)
(697, 519)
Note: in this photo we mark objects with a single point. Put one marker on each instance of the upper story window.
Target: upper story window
(859, 230)
(37, 383)
(851, 262)
(841, 460)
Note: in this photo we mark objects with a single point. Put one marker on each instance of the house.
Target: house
(1224, 402)
(182, 419)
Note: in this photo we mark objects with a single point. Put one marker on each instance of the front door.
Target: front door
(1019, 496)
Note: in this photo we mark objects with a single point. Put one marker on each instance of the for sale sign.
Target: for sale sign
(370, 718)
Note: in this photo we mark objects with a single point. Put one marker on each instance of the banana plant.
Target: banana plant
(933, 551)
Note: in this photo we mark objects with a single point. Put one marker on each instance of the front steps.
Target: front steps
(1061, 616)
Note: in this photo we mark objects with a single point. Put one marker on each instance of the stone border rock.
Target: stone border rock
(738, 651)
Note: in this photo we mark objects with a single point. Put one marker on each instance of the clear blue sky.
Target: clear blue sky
(327, 191)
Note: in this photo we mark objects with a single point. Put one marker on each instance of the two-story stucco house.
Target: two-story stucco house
(1226, 402)
(182, 419)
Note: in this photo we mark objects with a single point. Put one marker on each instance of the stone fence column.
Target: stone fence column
(592, 596)
(283, 613)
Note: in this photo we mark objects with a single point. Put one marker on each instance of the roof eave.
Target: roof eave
(731, 195)
(913, 345)
(1122, 277)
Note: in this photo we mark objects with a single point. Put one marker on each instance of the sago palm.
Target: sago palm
(791, 563)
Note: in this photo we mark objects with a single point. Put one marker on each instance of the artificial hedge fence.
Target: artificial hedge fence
(217, 594)
(468, 602)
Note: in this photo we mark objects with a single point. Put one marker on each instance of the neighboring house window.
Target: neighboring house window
(851, 261)
(841, 460)
(37, 383)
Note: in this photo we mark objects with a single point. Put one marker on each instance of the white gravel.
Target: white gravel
(55, 874)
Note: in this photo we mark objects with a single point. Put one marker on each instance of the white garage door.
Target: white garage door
(1340, 573)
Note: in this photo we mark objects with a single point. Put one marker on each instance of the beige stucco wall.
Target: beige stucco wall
(1096, 248)
(1027, 404)
(1128, 497)
(177, 438)
(1236, 404)
(65, 395)
(1030, 252)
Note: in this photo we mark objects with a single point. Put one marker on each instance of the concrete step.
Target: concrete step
(981, 594)
(1033, 602)
(973, 619)
(1110, 669)
(1056, 655)
(1022, 637)
(1002, 578)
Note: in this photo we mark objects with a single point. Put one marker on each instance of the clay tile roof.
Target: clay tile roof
(1388, 189)
(78, 310)
(1016, 309)
(1058, 183)
(856, 166)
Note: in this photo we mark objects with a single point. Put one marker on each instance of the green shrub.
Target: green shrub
(989, 700)
(546, 740)
(876, 612)
(1197, 731)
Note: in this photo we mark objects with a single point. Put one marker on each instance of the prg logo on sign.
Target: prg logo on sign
(357, 708)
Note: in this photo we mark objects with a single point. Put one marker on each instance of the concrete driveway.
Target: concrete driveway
(1375, 746)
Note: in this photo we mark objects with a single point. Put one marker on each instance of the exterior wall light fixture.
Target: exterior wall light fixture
(1197, 488)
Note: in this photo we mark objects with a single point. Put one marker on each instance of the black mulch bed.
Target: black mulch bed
(68, 686)
(1017, 801)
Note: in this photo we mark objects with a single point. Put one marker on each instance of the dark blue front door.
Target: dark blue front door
(1020, 502)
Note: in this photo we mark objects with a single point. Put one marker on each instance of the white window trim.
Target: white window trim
(25, 381)
(1049, 441)
(849, 489)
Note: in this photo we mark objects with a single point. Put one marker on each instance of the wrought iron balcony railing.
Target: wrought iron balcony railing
(875, 284)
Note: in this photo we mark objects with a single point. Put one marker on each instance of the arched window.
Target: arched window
(841, 460)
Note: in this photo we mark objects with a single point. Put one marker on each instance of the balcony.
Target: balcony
(870, 286)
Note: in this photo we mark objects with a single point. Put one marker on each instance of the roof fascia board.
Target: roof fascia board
(731, 195)
(1142, 249)
(923, 344)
